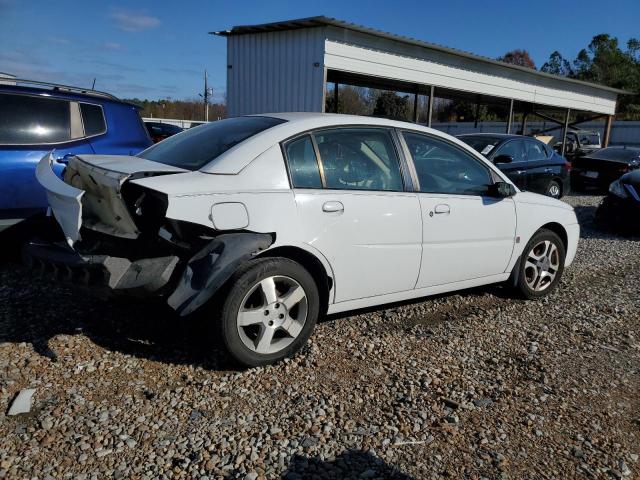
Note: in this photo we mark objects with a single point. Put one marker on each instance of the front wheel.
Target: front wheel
(541, 265)
(269, 312)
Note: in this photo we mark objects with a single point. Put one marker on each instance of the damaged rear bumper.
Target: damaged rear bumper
(186, 284)
(148, 275)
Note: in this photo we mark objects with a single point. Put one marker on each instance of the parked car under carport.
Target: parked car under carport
(599, 169)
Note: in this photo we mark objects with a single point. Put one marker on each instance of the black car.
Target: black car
(159, 131)
(604, 166)
(529, 163)
(620, 209)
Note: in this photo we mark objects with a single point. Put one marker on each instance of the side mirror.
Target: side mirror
(503, 159)
(502, 190)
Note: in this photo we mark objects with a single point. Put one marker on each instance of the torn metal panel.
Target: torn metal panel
(212, 266)
(65, 200)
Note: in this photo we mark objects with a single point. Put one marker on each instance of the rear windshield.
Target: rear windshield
(192, 149)
(616, 153)
(481, 143)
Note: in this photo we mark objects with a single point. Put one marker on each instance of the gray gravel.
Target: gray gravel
(470, 385)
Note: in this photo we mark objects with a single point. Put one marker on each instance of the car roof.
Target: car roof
(67, 93)
(296, 123)
(487, 134)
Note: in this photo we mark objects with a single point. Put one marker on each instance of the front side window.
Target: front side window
(513, 149)
(194, 148)
(303, 164)
(359, 159)
(535, 151)
(31, 120)
(444, 168)
(93, 119)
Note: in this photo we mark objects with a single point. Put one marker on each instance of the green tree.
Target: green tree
(390, 105)
(557, 65)
(604, 62)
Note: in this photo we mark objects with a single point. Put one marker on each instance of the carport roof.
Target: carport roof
(322, 21)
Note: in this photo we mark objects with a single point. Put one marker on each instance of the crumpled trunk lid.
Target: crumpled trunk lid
(91, 193)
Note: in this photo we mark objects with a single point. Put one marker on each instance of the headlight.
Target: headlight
(617, 189)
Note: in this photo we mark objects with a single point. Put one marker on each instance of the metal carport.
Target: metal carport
(285, 66)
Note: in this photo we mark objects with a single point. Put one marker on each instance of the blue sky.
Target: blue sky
(158, 49)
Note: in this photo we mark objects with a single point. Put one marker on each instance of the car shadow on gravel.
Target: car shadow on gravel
(35, 311)
(350, 464)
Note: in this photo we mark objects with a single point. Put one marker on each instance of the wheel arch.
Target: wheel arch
(321, 273)
(559, 230)
(554, 227)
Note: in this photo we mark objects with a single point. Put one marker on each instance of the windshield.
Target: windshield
(192, 149)
(482, 143)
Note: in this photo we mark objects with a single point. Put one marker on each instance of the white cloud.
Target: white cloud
(112, 46)
(133, 21)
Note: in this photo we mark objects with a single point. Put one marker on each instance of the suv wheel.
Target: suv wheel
(269, 312)
(554, 189)
(542, 265)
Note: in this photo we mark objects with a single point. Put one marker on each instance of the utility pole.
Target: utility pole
(208, 93)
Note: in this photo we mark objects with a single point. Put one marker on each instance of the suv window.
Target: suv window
(303, 164)
(92, 119)
(535, 150)
(513, 148)
(29, 120)
(359, 159)
(444, 168)
(198, 146)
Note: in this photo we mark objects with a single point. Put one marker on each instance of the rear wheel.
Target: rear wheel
(269, 312)
(541, 265)
(554, 189)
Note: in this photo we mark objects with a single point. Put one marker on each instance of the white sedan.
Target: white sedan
(269, 221)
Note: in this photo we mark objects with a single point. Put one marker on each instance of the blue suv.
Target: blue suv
(37, 117)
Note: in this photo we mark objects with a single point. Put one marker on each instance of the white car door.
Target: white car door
(352, 208)
(466, 233)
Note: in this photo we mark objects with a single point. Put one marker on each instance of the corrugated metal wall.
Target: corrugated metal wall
(275, 72)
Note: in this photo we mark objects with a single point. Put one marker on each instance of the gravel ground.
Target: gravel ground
(470, 385)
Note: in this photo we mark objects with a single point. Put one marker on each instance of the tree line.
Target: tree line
(190, 109)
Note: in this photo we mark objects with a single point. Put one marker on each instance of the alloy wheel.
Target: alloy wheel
(542, 265)
(554, 190)
(272, 314)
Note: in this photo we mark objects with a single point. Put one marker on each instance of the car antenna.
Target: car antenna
(93, 86)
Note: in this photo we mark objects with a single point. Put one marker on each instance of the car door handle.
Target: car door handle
(332, 207)
(442, 208)
(548, 170)
(519, 172)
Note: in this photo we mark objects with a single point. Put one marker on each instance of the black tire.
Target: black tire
(552, 187)
(241, 284)
(522, 285)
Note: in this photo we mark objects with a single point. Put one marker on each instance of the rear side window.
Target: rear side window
(303, 164)
(93, 119)
(194, 148)
(29, 120)
(535, 151)
(359, 159)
